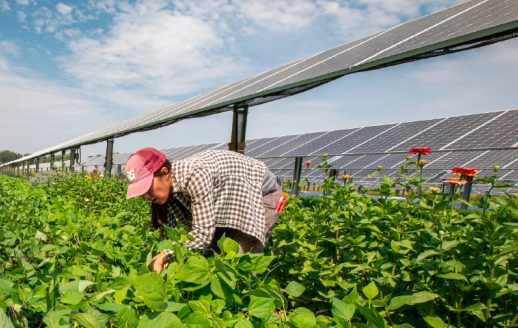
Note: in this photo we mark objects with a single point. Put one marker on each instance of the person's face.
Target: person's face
(158, 193)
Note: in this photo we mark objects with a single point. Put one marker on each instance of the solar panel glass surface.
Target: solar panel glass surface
(319, 142)
(453, 127)
(343, 145)
(394, 136)
(501, 132)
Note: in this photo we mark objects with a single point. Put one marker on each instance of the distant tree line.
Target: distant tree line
(8, 156)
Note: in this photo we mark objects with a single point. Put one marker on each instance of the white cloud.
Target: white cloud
(8, 47)
(153, 50)
(63, 9)
(23, 2)
(280, 14)
(4, 6)
(39, 113)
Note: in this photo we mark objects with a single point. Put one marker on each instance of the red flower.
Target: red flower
(421, 150)
(308, 163)
(455, 181)
(464, 171)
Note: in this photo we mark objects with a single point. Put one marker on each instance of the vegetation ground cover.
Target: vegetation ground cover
(74, 253)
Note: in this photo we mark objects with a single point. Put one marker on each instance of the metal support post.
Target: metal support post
(237, 139)
(72, 159)
(466, 192)
(51, 162)
(37, 164)
(108, 163)
(296, 175)
(63, 160)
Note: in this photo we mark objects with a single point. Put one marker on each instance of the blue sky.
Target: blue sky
(71, 67)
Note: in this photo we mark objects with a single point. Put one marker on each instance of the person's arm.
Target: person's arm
(158, 262)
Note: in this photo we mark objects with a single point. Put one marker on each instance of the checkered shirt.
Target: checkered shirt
(217, 188)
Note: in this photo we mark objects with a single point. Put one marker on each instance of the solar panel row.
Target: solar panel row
(469, 22)
(470, 138)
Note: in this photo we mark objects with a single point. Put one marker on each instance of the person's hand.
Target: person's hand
(158, 262)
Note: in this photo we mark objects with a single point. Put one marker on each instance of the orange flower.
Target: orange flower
(455, 181)
(422, 162)
(464, 171)
(346, 177)
(421, 150)
(308, 163)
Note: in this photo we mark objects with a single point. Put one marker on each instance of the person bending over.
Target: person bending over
(214, 192)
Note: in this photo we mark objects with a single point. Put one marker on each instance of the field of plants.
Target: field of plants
(74, 253)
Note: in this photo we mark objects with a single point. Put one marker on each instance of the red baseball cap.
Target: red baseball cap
(140, 168)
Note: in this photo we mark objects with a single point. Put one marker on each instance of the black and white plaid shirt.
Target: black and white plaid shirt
(217, 188)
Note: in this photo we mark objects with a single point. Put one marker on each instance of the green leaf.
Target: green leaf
(195, 270)
(448, 245)
(343, 310)
(197, 319)
(261, 307)
(5, 322)
(435, 322)
(215, 286)
(57, 319)
(294, 289)
(86, 320)
(6, 286)
(160, 320)
(201, 306)
(302, 318)
(373, 317)
(79, 285)
(453, 276)
(261, 262)
(151, 288)
(72, 296)
(416, 298)
(371, 290)
(228, 245)
(244, 324)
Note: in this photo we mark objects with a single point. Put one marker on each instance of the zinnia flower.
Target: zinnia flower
(308, 163)
(435, 189)
(464, 171)
(421, 150)
(346, 177)
(455, 181)
(422, 162)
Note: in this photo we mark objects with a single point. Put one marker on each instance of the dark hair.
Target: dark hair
(159, 212)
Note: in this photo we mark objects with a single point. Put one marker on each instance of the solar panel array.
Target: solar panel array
(474, 23)
(467, 140)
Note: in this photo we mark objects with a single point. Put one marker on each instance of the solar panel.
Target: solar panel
(501, 132)
(345, 144)
(272, 144)
(394, 136)
(319, 142)
(469, 22)
(291, 144)
(453, 127)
